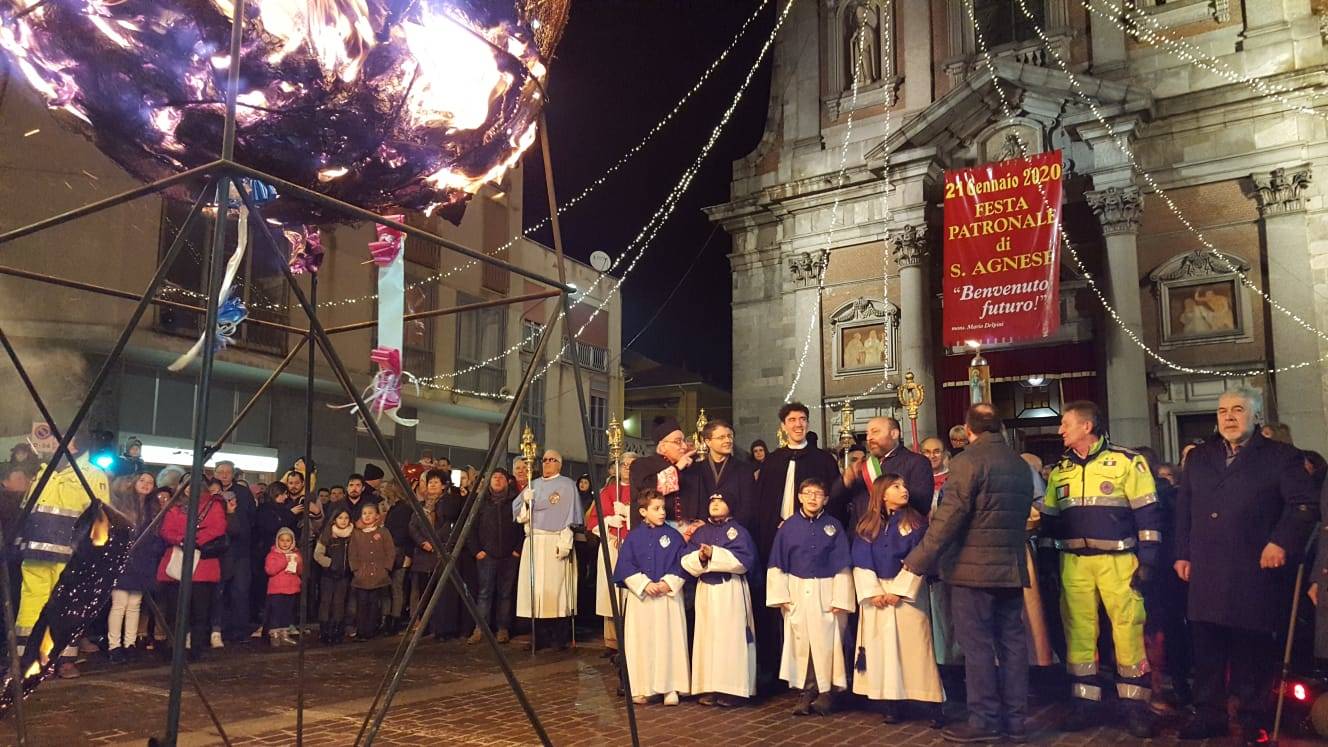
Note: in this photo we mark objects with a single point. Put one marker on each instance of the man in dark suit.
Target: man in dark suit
(850, 496)
(1246, 505)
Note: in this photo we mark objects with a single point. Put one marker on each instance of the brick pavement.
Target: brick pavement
(452, 695)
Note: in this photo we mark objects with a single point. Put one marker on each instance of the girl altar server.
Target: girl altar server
(650, 567)
(721, 554)
(810, 578)
(894, 660)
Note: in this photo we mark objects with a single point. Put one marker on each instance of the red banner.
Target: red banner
(1002, 251)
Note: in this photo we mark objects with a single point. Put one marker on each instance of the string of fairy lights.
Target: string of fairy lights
(1133, 336)
(1144, 27)
(886, 257)
(814, 318)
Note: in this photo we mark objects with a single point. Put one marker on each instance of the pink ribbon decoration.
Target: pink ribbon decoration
(306, 249)
(390, 242)
(383, 395)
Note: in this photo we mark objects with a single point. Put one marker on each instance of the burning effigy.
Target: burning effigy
(103, 539)
(410, 104)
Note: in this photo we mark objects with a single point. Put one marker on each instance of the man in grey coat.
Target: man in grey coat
(976, 541)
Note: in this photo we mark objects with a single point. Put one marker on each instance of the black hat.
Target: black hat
(664, 425)
(372, 472)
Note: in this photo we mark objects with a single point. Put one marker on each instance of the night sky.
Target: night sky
(620, 68)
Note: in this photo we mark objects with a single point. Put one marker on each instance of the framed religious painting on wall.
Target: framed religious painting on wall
(1200, 300)
(864, 339)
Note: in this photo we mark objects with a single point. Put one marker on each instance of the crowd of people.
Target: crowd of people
(899, 577)
(877, 575)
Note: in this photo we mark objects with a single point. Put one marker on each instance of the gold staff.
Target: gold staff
(911, 396)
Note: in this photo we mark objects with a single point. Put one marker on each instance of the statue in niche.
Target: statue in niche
(863, 46)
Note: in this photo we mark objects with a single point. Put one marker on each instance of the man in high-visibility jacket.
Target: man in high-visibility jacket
(47, 542)
(1101, 512)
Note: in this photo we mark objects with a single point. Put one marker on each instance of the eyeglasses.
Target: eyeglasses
(674, 441)
(812, 494)
(722, 437)
(551, 459)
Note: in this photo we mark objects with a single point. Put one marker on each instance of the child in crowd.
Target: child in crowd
(894, 660)
(371, 555)
(810, 578)
(284, 568)
(332, 553)
(721, 554)
(650, 567)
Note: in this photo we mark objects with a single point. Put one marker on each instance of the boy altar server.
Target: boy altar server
(721, 554)
(894, 660)
(650, 567)
(810, 578)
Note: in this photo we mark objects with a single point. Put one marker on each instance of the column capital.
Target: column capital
(804, 268)
(908, 245)
(1118, 209)
(1281, 190)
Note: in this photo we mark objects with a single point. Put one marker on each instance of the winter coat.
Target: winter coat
(140, 571)
(1226, 515)
(397, 522)
(211, 525)
(446, 514)
(279, 580)
(332, 554)
(977, 533)
(495, 532)
(241, 529)
(371, 554)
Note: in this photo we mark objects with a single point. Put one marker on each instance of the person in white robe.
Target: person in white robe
(894, 660)
(810, 579)
(650, 568)
(720, 555)
(546, 580)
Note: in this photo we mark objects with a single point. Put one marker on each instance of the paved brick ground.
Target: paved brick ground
(452, 695)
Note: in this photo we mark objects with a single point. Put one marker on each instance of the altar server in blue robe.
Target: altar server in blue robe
(650, 567)
(721, 554)
(894, 660)
(810, 578)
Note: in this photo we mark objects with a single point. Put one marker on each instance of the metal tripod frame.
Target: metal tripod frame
(219, 178)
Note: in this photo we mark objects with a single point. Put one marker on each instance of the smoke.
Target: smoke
(61, 377)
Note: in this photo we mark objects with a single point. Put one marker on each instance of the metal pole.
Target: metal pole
(308, 550)
(448, 311)
(339, 369)
(1291, 634)
(570, 336)
(249, 406)
(202, 397)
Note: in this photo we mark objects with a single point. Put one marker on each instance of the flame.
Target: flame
(429, 99)
(101, 530)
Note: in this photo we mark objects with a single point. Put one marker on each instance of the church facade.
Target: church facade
(1173, 238)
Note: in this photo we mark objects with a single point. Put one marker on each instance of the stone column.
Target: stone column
(804, 270)
(909, 249)
(1118, 209)
(1297, 394)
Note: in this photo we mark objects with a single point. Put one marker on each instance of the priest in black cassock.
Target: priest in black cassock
(776, 499)
(720, 471)
(662, 471)
(886, 454)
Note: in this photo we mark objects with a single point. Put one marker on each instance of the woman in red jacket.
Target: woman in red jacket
(207, 570)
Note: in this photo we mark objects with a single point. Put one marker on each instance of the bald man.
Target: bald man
(546, 581)
(886, 454)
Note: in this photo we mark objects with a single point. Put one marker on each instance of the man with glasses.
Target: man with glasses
(662, 472)
(776, 499)
(546, 587)
(720, 472)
